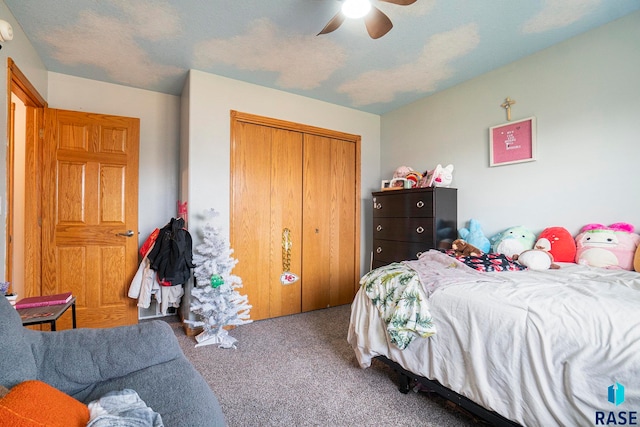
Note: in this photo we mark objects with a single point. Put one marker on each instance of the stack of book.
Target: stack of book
(43, 301)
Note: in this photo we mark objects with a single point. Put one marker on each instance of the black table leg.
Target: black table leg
(73, 314)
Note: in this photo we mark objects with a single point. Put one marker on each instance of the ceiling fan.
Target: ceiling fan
(378, 24)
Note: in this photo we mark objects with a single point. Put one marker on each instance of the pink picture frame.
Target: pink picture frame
(513, 142)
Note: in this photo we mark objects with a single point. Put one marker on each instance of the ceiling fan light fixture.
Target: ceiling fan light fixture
(356, 8)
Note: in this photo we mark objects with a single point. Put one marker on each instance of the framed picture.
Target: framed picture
(513, 142)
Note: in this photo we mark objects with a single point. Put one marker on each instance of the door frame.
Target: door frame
(18, 84)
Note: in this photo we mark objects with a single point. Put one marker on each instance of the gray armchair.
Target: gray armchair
(88, 363)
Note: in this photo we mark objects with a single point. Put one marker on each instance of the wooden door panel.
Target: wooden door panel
(342, 261)
(318, 211)
(286, 198)
(90, 188)
(250, 232)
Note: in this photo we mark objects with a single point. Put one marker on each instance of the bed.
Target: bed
(535, 348)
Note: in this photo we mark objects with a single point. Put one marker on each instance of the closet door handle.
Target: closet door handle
(287, 277)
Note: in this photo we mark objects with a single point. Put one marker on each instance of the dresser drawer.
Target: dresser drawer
(394, 251)
(404, 229)
(405, 204)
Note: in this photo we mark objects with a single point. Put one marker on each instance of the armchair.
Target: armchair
(88, 363)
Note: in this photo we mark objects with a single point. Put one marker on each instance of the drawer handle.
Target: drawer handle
(420, 230)
(379, 228)
(420, 204)
(377, 205)
(419, 254)
(379, 250)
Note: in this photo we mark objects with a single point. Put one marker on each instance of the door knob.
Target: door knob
(128, 233)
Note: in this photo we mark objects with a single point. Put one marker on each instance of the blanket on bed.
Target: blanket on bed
(400, 292)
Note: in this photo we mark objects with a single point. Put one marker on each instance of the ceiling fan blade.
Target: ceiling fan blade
(333, 24)
(400, 2)
(378, 24)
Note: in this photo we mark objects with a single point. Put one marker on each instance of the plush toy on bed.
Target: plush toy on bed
(559, 242)
(536, 259)
(474, 236)
(462, 248)
(512, 241)
(610, 247)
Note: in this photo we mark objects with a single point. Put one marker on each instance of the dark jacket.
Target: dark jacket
(172, 256)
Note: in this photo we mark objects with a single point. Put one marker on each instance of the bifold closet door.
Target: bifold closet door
(266, 188)
(329, 222)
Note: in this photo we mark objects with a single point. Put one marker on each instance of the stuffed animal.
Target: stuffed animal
(443, 176)
(474, 236)
(536, 259)
(400, 175)
(512, 241)
(611, 247)
(559, 242)
(462, 248)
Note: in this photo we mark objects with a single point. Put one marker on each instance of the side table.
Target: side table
(47, 314)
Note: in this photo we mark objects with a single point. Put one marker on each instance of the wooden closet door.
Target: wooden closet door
(286, 213)
(266, 188)
(329, 222)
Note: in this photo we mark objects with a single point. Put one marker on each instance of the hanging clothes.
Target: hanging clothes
(167, 259)
(172, 256)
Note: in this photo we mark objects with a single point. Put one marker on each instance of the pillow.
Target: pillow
(559, 242)
(610, 247)
(35, 403)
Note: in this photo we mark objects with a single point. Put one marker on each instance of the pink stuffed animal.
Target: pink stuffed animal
(610, 247)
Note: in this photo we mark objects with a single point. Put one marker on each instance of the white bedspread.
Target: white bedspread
(539, 347)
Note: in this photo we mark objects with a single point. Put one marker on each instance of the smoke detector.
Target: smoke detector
(6, 31)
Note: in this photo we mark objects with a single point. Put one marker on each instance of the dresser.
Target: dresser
(409, 222)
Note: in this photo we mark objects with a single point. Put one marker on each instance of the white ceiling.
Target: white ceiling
(435, 44)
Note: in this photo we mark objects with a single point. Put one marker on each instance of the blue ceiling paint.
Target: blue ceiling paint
(151, 44)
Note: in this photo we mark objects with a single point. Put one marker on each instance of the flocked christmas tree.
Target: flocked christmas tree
(215, 299)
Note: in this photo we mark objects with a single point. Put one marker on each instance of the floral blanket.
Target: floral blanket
(489, 262)
(397, 293)
(400, 292)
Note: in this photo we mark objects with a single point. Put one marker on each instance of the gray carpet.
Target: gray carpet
(300, 371)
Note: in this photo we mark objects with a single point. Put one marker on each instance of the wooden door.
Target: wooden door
(329, 205)
(266, 193)
(290, 176)
(90, 213)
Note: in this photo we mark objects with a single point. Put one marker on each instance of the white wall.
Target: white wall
(210, 100)
(19, 155)
(159, 137)
(585, 94)
(24, 55)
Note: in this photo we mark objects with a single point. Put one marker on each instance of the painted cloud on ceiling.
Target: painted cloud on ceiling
(301, 61)
(422, 74)
(95, 40)
(558, 14)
